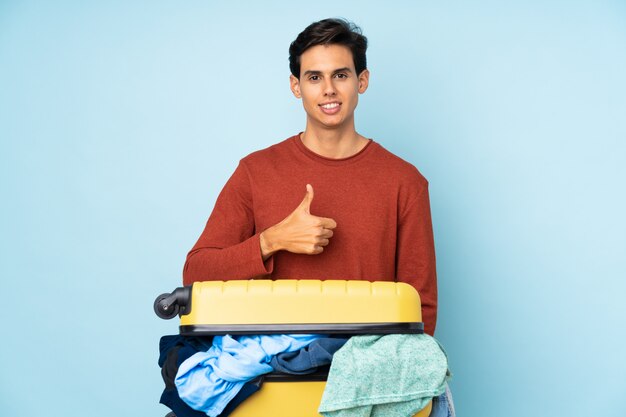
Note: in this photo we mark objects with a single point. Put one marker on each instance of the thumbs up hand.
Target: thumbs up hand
(300, 232)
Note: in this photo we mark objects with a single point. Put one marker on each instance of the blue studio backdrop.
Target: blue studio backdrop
(121, 121)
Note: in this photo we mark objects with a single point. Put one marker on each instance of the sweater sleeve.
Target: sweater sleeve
(415, 263)
(229, 247)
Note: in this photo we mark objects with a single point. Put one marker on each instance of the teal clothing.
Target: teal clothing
(385, 376)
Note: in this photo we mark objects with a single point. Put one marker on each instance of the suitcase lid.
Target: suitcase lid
(302, 306)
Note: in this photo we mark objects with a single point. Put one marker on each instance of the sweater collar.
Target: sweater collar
(331, 161)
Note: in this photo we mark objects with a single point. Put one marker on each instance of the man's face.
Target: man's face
(329, 86)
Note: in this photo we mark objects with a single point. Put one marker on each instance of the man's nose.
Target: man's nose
(329, 88)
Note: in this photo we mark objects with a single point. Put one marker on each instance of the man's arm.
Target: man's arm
(415, 262)
(230, 249)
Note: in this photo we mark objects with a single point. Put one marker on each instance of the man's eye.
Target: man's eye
(314, 78)
(342, 75)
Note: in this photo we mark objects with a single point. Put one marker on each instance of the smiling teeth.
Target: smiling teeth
(330, 106)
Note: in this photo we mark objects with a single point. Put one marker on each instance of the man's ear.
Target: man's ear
(295, 86)
(364, 80)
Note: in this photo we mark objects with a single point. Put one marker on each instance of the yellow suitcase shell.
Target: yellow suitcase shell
(333, 306)
(296, 306)
(290, 399)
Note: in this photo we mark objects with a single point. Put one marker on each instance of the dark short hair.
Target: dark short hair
(329, 32)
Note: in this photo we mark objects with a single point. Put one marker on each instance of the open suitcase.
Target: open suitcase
(336, 307)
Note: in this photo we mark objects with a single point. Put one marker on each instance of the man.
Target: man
(327, 203)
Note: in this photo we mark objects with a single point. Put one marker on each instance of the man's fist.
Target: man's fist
(300, 232)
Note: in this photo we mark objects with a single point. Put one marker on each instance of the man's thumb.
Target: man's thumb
(308, 198)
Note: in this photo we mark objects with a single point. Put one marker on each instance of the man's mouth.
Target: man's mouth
(330, 108)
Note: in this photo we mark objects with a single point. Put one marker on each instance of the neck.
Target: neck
(333, 143)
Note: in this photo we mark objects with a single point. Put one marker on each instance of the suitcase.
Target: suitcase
(337, 307)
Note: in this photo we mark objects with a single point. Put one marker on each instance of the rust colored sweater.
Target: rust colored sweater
(379, 201)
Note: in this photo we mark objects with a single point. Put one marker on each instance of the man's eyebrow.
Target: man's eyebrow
(344, 69)
(317, 72)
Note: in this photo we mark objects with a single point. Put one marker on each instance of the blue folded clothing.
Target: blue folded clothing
(174, 350)
(208, 381)
(310, 358)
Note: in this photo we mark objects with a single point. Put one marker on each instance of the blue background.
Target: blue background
(120, 123)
